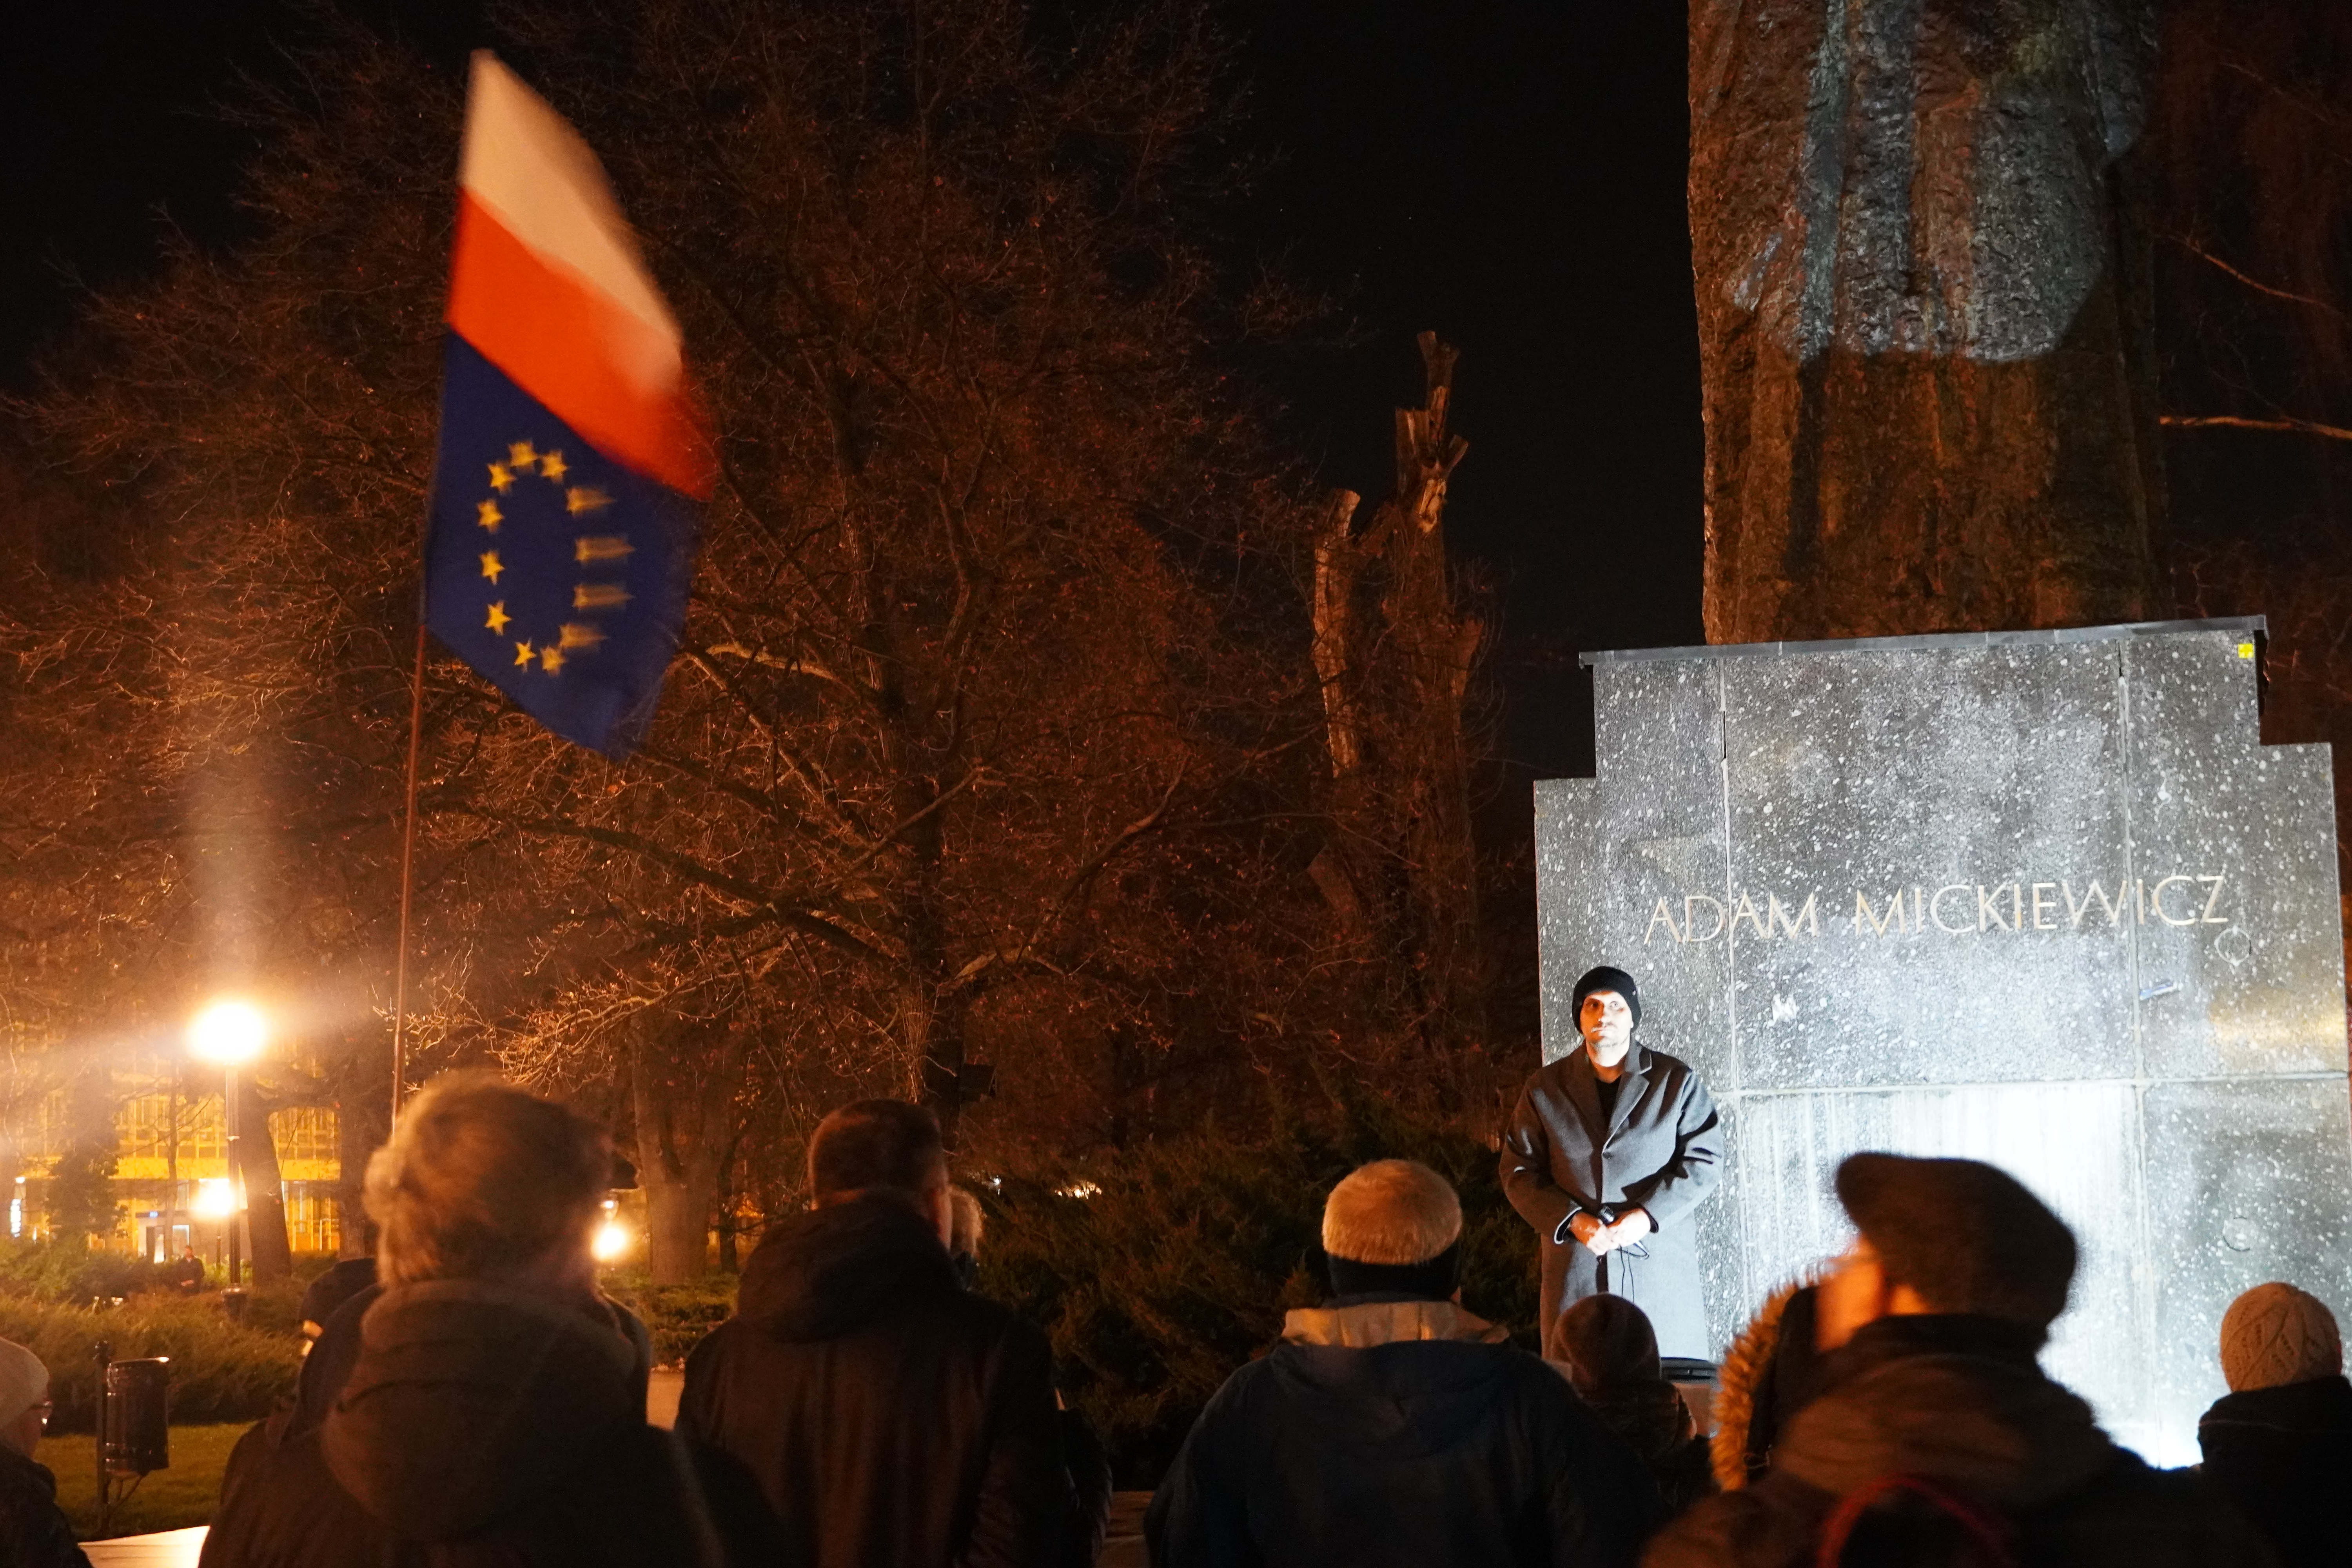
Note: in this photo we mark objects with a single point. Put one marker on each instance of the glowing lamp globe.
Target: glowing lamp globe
(612, 1242)
(228, 1032)
(216, 1199)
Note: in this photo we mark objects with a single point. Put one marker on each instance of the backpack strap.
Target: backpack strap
(1990, 1532)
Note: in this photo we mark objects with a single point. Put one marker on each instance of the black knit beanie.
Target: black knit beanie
(1608, 978)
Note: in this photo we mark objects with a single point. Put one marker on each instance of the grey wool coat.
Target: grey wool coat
(1662, 1150)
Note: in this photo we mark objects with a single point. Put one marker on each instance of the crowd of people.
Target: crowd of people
(475, 1400)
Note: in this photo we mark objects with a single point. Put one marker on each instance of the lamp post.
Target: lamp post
(230, 1034)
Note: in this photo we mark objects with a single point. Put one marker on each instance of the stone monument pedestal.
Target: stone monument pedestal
(2043, 898)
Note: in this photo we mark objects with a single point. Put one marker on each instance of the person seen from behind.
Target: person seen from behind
(1769, 1371)
(1605, 1346)
(1936, 1436)
(893, 1419)
(34, 1532)
(495, 1410)
(2279, 1444)
(1390, 1427)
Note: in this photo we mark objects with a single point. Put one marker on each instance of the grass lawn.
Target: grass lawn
(167, 1499)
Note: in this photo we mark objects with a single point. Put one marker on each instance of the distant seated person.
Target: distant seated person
(188, 1273)
(2279, 1444)
(1390, 1427)
(33, 1530)
(1605, 1345)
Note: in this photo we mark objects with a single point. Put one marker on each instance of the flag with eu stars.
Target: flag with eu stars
(573, 450)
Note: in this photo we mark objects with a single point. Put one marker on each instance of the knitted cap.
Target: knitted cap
(1391, 1211)
(23, 1381)
(1607, 1344)
(1607, 978)
(1966, 1235)
(2276, 1335)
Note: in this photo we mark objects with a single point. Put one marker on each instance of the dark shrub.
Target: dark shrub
(1178, 1265)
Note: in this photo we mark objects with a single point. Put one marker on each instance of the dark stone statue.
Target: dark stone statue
(1923, 314)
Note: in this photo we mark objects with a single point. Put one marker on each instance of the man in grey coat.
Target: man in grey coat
(1610, 1150)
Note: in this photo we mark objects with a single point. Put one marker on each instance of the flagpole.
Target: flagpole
(407, 876)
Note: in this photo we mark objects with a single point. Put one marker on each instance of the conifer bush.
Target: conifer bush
(220, 1371)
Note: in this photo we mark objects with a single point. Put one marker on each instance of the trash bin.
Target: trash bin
(137, 1435)
(233, 1301)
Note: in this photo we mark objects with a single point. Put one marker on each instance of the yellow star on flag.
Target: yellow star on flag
(490, 566)
(521, 456)
(583, 497)
(551, 658)
(502, 477)
(499, 617)
(489, 514)
(553, 467)
(522, 653)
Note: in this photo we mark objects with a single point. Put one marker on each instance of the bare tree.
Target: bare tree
(994, 716)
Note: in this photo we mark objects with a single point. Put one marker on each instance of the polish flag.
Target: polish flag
(548, 285)
(563, 535)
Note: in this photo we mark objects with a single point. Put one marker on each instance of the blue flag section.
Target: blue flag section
(559, 575)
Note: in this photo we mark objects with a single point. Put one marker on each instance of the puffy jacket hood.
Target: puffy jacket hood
(819, 1275)
(468, 1398)
(1913, 1402)
(1393, 1403)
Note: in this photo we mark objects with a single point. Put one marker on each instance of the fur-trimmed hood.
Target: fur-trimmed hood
(1744, 1385)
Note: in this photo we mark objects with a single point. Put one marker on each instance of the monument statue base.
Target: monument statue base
(2040, 898)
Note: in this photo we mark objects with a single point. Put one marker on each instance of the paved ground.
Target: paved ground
(1123, 1547)
(661, 1395)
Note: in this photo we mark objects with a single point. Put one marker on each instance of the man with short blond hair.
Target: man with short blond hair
(1392, 1427)
(893, 1419)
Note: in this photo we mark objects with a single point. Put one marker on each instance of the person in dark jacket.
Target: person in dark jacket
(1936, 1436)
(1609, 1151)
(494, 1414)
(1769, 1371)
(1605, 1346)
(2279, 1444)
(342, 1281)
(893, 1419)
(34, 1532)
(1392, 1427)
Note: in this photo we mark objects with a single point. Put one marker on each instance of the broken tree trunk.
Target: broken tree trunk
(1395, 650)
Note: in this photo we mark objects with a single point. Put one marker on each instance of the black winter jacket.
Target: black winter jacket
(1391, 1432)
(1961, 1403)
(2283, 1457)
(481, 1427)
(32, 1531)
(892, 1419)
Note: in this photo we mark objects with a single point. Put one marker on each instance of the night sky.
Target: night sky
(1506, 171)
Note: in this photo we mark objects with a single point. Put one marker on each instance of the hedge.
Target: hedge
(220, 1371)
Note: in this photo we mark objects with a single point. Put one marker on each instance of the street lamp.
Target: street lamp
(230, 1034)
